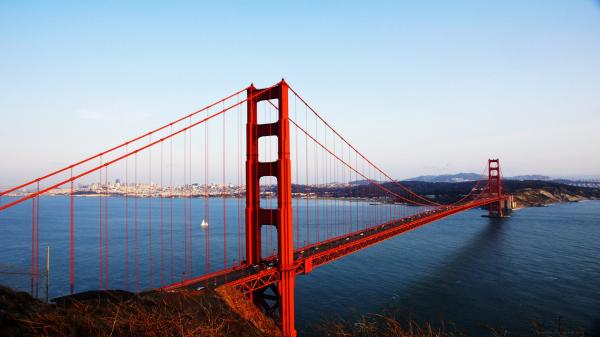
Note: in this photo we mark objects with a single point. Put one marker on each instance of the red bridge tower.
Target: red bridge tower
(495, 188)
(281, 217)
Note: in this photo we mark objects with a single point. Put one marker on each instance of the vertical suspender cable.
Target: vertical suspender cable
(343, 167)
(171, 258)
(356, 190)
(184, 200)
(317, 219)
(364, 193)
(271, 196)
(162, 221)
(135, 222)
(370, 216)
(224, 196)
(101, 232)
(267, 157)
(150, 196)
(191, 271)
(206, 204)
(106, 227)
(297, 222)
(306, 168)
(71, 238)
(239, 179)
(127, 219)
(32, 245)
(333, 186)
(326, 185)
(334, 167)
(350, 190)
(37, 239)
(191, 190)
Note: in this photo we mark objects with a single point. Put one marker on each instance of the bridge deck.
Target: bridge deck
(248, 278)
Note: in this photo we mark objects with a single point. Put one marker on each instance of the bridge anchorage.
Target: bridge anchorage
(331, 201)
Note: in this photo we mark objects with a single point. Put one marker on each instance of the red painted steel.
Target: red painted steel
(252, 182)
(495, 188)
(281, 217)
(329, 160)
(250, 278)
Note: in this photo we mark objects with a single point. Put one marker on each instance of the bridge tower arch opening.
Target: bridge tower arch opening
(280, 217)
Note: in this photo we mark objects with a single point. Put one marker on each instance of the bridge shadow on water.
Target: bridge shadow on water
(480, 286)
(448, 273)
(456, 291)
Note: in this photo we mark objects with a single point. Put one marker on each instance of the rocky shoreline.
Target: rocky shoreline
(527, 193)
(540, 197)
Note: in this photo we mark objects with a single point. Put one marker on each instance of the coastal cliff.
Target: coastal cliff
(527, 193)
(536, 197)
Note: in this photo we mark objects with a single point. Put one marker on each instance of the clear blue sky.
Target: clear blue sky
(422, 88)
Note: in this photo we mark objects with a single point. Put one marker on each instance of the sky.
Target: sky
(427, 87)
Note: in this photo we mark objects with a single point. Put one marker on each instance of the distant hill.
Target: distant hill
(448, 178)
(359, 182)
(460, 177)
(528, 192)
(530, 177)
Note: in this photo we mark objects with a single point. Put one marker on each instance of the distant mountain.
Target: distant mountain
(460, 177)
(359, 182)
(530, 177)
(449, 178)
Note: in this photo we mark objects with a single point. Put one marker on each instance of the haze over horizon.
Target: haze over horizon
(421, 89)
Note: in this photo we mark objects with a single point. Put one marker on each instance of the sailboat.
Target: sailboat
(204, 224)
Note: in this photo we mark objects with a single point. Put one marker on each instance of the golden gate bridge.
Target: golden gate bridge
(311, 197)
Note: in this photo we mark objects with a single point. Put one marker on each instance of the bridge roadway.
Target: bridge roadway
(248, 278)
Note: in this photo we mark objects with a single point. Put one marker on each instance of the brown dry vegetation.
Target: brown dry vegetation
(223, 312)
(391, 325)
(248, 311)
(382, 326)
(123, 314)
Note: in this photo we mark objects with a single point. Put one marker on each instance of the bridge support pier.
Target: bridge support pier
(281, 217)
(496, 209)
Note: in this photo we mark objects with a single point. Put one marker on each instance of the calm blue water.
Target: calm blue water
(540, 264)
(189, 256)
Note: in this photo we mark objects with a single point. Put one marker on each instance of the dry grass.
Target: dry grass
(125, 314)
(248, 311)
(382, 326)
(224, 312)
(390, 325)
